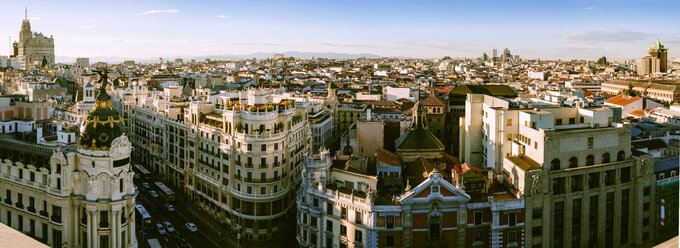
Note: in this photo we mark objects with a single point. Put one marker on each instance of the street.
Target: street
(206, 236)
(210, 232)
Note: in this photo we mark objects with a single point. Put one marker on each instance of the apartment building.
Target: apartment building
(573, 167)
(240, 161)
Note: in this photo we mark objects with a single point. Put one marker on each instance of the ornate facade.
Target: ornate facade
(76, 196)
(34, 49)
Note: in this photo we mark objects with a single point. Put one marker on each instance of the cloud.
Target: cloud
(221, 16)
(35, 18)
(614, 34)
(591, 8)
(158, 11)
(89, 27)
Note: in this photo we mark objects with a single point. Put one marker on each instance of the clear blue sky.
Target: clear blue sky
(427, 29)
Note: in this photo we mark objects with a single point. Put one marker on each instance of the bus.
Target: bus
(153, 243)
(144, 173)
(165, 192)
(144, 216)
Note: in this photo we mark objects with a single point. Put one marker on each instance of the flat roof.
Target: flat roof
(524, 163)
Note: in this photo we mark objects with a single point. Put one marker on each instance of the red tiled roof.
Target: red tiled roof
(638, 113)
(622, 100)
(387, 157)
(432, 101)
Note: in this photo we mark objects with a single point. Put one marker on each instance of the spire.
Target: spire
(26, 12)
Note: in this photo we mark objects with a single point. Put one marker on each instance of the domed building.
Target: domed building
(76, 195)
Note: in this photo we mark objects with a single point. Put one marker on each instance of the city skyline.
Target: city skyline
(531, 29)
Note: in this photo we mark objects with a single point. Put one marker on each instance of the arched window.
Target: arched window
(605, 158)
(573, 162)
(621, 156)
(590, 160)
(555, 164)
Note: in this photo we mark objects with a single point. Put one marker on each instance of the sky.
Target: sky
(420, 29)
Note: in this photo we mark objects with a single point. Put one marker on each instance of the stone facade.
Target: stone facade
(34, 47)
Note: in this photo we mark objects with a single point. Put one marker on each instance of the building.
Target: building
(659, 52)
(83, 62)
(567, 163)
(629, 104)
(322, 125)
(419, 197)
(35, 49)
(240, 162)
(348, 115)
(71, 195)
(666, 91)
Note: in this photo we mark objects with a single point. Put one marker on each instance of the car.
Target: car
(169, 207)
(160, 228)
(153, 193)
(168, 226)
(191, 227)
(146, 185)
(137, 176)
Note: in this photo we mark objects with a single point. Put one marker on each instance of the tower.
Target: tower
(660, 52)
(105, 195)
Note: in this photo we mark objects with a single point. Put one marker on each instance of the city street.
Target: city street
(210, 232)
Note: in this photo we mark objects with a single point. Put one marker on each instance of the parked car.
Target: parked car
(168, 226)
(137, 176)
(146, 185)
(160, 228)
(169, 207)
(191, 227)
(154, 193)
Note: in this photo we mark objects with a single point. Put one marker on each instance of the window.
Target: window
(508, 122)
(343, 213)
(572, 120)
(343, 230)
(590, 142)
(329, 242)
(250, 147)
(263, 147)
(390, 221)
(590, 160)
(573, 162)
(313, 221)
(620, 156)
(478, 217)
(537, 213)
(605, 158)
(357, 217)
(512, 219)
(478, 236)
(512, 237)
(594, 180)
(625, 174)
(646, 191)
(312, 239)
(555, 164)
(389, 240)
(536, 231)
(358, 236)
(558, 122)
(435, 188)
(103, 219)
(329, 208)
(329, 225)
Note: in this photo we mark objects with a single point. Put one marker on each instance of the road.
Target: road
(210, 232)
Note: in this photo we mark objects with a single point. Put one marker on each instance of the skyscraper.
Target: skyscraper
(495, 53)
(660, 52)
(34, 47)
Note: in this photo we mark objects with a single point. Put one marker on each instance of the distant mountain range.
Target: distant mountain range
(258, 55)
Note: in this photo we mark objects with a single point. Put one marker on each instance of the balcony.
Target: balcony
(8, 201)
(31, 209)
(43, 213)
(56, 218)
(249, 165)
(19, 205)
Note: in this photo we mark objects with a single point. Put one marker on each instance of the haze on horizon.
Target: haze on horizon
(420, 29)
